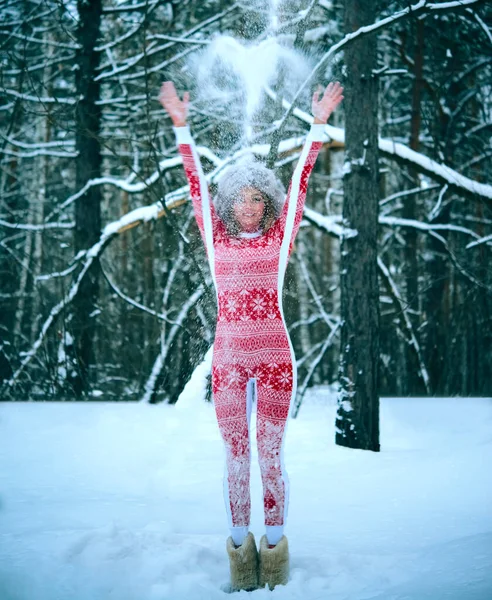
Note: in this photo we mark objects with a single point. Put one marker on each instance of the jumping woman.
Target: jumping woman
(248, 231)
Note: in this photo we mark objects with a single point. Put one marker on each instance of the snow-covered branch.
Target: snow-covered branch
(41, 99)
(128, 8)
(416, 9)
(405, 193)
(151, 49)
(420, 162)
(145, 72)
(38, 67)
(181, 40)
(28, 227)
(127, 184)
(55, 311)
(483, 25)
(122, 99)
(483, 240)
(397, 221)
(43, 41)
(330, 225)
(122, 184)
(149, 7)
(40, 152)
(132, 219)
(437, 171)
(70, 144)
(57, 274)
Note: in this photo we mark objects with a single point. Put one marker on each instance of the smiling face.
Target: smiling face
(248, 209)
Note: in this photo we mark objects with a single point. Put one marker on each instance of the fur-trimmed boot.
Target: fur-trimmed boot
(244, 564)
(274, 563)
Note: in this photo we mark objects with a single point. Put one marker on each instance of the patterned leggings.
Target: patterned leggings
(235, 388)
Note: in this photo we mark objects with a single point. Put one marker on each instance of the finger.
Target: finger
(316, 97)
(163, 94)
(165, 90)
(186, 98)
(169, 89)
(335, 92)
(335, 87)
(328, 92)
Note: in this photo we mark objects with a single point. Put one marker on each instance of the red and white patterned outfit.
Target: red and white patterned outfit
(251, 340)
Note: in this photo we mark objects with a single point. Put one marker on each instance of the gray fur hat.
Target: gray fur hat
(247, 173)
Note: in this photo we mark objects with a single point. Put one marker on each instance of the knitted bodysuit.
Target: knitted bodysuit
(252, 348)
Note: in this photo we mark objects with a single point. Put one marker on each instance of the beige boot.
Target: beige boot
(243, 564)
(274, 563)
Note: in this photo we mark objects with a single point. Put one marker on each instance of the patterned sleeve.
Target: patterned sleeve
(205, 215)
(298, 185)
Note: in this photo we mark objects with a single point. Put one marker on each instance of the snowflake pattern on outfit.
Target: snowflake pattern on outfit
(251, 342)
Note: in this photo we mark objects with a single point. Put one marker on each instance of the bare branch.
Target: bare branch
(161, 358)
(398, 300)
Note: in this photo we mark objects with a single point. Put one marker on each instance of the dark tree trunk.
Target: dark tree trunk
(358, 404)
(414, 380)
(88, 166)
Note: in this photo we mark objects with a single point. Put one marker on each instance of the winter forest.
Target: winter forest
(109, 307)
(105, 288)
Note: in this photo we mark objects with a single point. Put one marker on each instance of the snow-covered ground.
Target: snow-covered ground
(124, 501)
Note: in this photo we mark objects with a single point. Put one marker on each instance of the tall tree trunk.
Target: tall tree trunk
(357, 423)
(88, 166)
(414, 383)
(43, 175)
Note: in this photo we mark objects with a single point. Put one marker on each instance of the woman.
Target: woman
(248, 234)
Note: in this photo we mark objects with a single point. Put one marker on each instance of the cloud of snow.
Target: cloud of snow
(230, 75)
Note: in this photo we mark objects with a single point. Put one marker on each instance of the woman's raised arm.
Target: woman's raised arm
(176, 108)
(331, 98)
(178, 111)
(294, 205)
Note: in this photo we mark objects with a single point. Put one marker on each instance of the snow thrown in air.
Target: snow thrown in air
(231, 75)
(234, 74)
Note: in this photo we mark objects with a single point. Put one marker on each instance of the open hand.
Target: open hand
(331, 98)
(177, 109)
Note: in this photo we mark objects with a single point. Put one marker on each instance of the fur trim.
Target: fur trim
(274, 563)
(243, 564)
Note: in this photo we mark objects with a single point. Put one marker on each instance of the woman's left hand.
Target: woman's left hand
(331, 98)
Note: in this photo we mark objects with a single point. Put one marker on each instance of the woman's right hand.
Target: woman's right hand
(177, 109)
